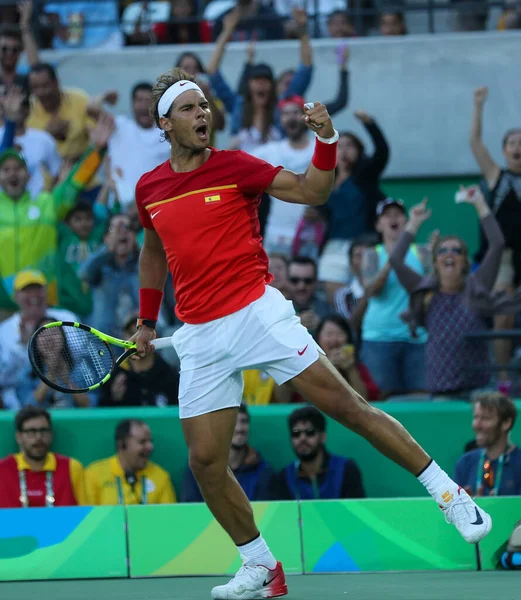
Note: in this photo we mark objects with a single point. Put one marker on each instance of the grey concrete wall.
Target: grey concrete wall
(419, 88)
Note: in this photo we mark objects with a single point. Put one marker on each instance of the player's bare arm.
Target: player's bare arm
(314, 186)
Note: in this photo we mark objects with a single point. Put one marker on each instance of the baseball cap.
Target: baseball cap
(25, 278)
(11, 153)
(261, 70)
(383, 204)
(291, 100)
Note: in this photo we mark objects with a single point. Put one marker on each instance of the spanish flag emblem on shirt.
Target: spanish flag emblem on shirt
(209, 199)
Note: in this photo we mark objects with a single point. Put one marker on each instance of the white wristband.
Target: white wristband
(331, 140)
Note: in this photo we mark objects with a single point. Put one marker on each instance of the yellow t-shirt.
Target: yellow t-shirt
(73, 109)
(105, 484)
(258, 388)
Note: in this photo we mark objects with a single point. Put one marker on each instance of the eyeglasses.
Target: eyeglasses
(450, 249)
(11, 49)
(32, 433)
(488, 474)
(121, 226)
(309, 432)
(306, 280)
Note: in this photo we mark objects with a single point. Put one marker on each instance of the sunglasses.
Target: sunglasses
(452, 250)
(11, 49)
(306, 280)
(309, 432)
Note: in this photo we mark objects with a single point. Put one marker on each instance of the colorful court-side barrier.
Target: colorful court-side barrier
(183, 539)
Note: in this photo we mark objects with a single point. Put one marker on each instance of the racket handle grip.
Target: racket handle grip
(161, 343)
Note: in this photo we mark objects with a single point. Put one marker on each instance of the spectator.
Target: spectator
(339, 25)
(311, 309)
(316, 474)
(260, 389)
(36, 477)
(395, 358)
(494, 468)
(112, 274)
(129, 477)
(335, 337)
(453, 303)
(510, 19)
(319, 21)
(30, 223)
(503, 191)
(248, 466)
(85, 24)
(469, 18)
(13, 40)
(38, 147)
(351, 209)
(392, 23)
(254, 19)
(278, 267)
(149, 381)
(351, 300)
(19, 384)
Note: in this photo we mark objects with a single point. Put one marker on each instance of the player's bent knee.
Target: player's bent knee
(206, 467)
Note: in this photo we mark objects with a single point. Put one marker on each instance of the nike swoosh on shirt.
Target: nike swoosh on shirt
(155, 214)
(479, 518)
(301, 352)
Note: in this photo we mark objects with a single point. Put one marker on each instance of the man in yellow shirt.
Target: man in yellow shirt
(129, 477)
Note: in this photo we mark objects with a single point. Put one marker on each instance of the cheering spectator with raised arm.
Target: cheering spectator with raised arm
(351, 208)
(503, 187)
(453, 302)
(256, 21)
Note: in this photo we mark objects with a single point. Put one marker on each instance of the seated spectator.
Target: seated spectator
(248, 466)
(38, 147)
(302, 277)
(85, 24)
(129, 477)
(278, 267)
(112, 274)
(350, 300)
(19, 384)
(334, 336)
(316, 474)
(494, 468)
(452, 302)
(145, 22)
(255, 20)
(351, 209)
(149, 381)
(36, 477)
(339, 25)
(394, 357)
(260, 389)
(31, 222)
(392, 23)
(469, 18)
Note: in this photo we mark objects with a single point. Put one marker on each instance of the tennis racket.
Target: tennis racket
(75, 358)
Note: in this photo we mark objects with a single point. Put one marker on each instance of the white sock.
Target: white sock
(257, 552)
(439, 485)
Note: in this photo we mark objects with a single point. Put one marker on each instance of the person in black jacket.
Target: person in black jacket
(351, 209)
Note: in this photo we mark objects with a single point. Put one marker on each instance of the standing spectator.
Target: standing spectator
(503, 190)
(149, 381)
(351, 208)
(111, 272)
(28, 225)
(302, 276)
(351, 300)
(318, 20)
(453, 303)
(339, 25)
(248, 466)
(255, 20)
(392, 23)
(129, 477)
(85, 24)
(395, 358)
(38, 147)
(335, 337)
(494, 468)
(13, 40)
(36, 477)
(316, 474)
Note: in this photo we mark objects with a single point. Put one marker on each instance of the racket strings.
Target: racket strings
(71, 357)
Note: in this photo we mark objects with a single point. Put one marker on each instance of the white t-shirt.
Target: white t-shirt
(40, 151)
(283, 217)
(134, 151)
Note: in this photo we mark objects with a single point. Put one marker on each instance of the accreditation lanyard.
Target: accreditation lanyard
(314, 484)
(121, 499)
(498, 475)
(49, 490)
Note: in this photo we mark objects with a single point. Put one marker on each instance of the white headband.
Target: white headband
(175, 90)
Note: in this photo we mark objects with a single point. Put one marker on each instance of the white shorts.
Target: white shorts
(265, 335)
(334, 263)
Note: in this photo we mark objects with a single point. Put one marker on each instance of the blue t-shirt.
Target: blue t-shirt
(466, 472)
(382, 321)
(347, 212)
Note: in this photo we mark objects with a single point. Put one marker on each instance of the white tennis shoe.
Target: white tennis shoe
(253, 582)
(469, 519)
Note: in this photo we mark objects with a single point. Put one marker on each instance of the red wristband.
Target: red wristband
(324, 157)
(149, 303)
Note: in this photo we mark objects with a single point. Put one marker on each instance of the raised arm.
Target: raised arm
(302, 77)
(230, 22)
(378, 161)
(374, 278)
(25, 8)
(486, 163)
(342, 98)
(408, 277)
(314, 186)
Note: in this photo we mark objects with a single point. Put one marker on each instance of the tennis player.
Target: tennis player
(199, 211)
